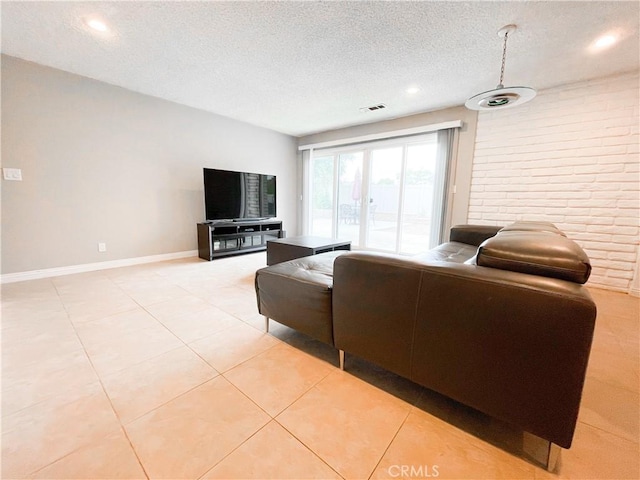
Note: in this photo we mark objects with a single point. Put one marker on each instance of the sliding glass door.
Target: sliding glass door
(385, 186)
(385, 195)
(320, 192)
(349, 196)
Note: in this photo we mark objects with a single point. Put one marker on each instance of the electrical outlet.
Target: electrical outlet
(102, 247)
(12, 174)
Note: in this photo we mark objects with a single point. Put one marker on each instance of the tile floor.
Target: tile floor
(163, 371)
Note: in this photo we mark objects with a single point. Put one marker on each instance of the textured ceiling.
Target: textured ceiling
(305, 67)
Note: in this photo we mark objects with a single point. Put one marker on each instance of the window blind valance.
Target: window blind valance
(383, 135)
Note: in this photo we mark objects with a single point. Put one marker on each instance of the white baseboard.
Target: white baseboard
(634, 292)
(90, 267)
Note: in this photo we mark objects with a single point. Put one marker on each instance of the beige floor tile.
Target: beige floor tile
(605, 341)
(120, 341)
(616, 303)
(201, 283)
(257, 322)
(158, 290)
(272, 453)
(90, 309)
(615, 369)
(177, 307)
(631, 347)
(41, 347)
(132, 273)
(93, 285)
(427, 446)
(43, 433)
(140, 388)
(54, 411)
(276, 378)
(111, 457)
(187, 436)
(16, 373)
(298, 340)
(239, 302)
(116, 326)
(383, 379)
(79, 280)
(56, 325)
(610, 408)
(196, 325)
(40, 382)
(596, 454)
(31, 289)
(32, 312)
(346, 422)
(216, 296)
(469, 420)
(226, 349)
(31, 293)
(623, 326)
(101, 290)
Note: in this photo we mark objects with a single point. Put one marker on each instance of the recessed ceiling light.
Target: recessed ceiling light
(97, 25)
(412, 90)
(604, 42)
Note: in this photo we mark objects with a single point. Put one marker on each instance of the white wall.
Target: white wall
(105, 164)
(570, 156)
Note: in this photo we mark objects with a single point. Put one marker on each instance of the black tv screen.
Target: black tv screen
(230, 195)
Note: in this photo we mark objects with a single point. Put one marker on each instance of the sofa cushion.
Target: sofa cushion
(448, 252)
(537, 253)
(524, 226)
(472, 234)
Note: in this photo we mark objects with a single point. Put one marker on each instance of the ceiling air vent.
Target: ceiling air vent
(373, 108)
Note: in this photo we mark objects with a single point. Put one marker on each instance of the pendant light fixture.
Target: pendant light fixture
(501, 97)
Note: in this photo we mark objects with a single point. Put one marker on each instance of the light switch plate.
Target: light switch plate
(12, 174)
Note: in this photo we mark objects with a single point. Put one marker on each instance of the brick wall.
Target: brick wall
(570, 157)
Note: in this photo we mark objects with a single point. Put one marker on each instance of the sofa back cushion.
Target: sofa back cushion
(526, 226)
(472, 234)
(455, 252)
(535, 252)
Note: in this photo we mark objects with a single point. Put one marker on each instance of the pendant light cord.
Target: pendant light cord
(504, 59)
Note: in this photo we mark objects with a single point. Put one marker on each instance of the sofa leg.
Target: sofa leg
(540, 450)
(341, 354)
(553, 456)
(266, 324)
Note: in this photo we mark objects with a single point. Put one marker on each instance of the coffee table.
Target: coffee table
(284, 249)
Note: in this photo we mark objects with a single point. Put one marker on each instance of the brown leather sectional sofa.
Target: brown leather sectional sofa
(497, 318)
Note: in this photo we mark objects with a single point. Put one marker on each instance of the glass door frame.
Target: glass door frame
(366, 149)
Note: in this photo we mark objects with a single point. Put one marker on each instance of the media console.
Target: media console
(224, 238)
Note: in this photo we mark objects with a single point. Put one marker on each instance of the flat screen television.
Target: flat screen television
(230, 195)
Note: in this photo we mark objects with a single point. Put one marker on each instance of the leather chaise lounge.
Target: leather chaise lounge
(497, 319)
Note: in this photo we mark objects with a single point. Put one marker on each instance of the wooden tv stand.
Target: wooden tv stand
(225, 238)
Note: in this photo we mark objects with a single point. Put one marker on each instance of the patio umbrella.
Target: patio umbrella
(356, 189)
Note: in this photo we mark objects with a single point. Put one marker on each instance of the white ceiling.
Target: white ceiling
(305, 67)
